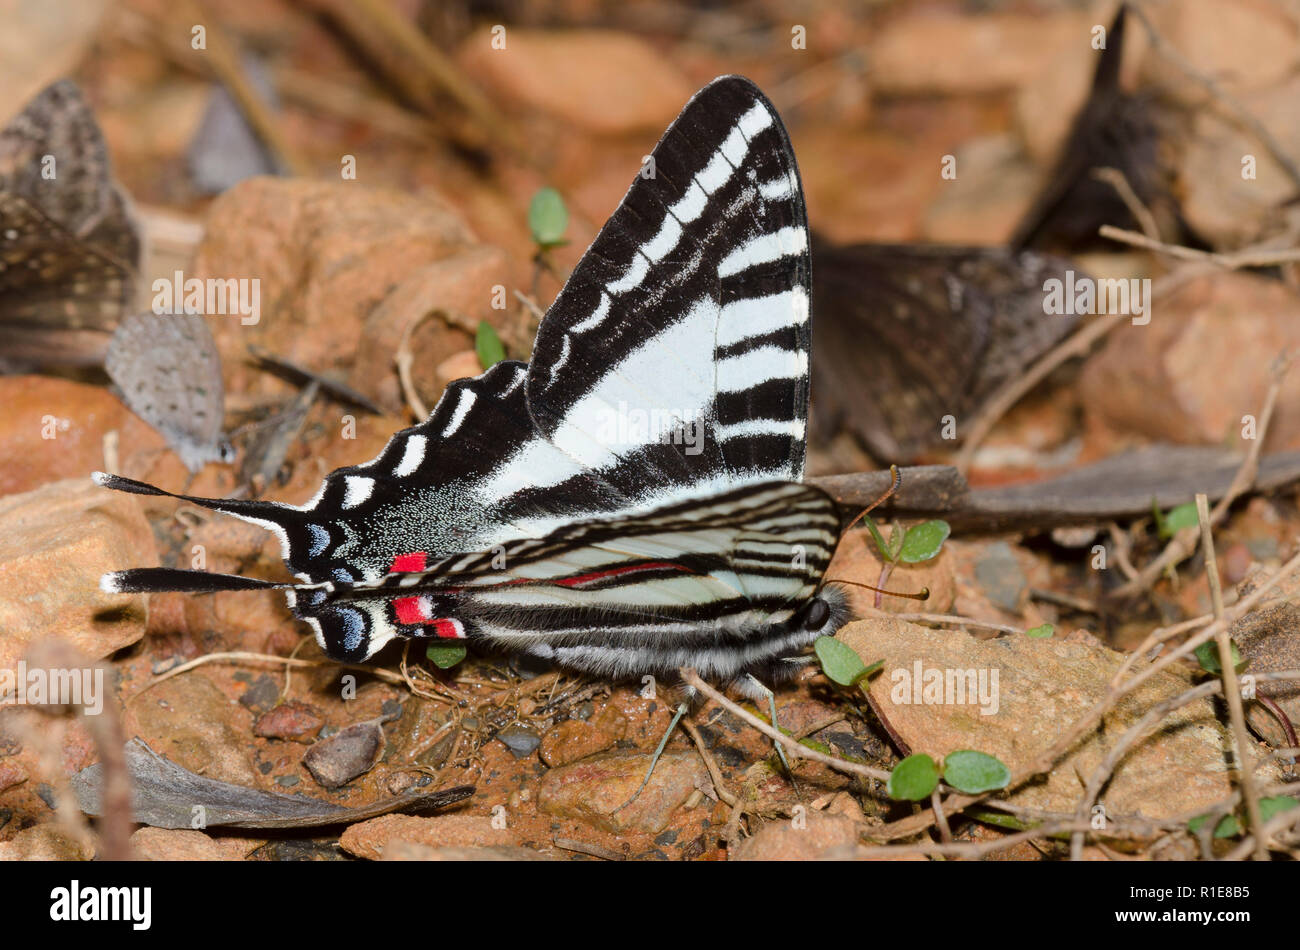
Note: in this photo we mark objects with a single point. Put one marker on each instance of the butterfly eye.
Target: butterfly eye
(818, 613)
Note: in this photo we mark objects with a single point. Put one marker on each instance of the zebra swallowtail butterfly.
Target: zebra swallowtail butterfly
(629, 501)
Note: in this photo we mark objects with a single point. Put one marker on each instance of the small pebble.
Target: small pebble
(521, 740)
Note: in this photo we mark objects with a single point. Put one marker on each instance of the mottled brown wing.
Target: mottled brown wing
(909, 334)
(1131, 132)
(51, 278)
(69, 249)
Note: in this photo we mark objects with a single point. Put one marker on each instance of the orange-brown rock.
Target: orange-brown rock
(325, 253)
(599, 790)
(55, 544)
(370, 839)
(603, 81)
(1201, 365)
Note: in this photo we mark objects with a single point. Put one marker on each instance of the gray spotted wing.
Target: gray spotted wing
(168, 370)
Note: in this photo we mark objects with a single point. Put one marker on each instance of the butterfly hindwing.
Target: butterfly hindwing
(911, 334)
(731, 571)
(169, 372)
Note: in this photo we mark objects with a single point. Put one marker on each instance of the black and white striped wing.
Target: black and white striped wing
(716, 582)
(691, 306)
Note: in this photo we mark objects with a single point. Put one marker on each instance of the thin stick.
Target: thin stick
(943, 618)
(1078, 344)
(714, 772)
(1243, 115)
(692, 678)
(404, 359)
(1183, 542)
(1231, 260)
(1141, 213)
(1159, 635)
(240, 656)
(1123, 545)
(226, 67)
(1231, 687)
(586, 847)
(435, 66)
(940, 819)
(966, 849)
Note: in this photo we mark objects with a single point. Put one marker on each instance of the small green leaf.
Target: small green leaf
(1207, 654)
(913, 779)
(896, 536)
(1271, 807)
(488, 345)
(1228, 826)
(1183, 516)
(817, 746)
(974, 772)
(1041, 632)
(445, 657)
(880, 540)
(997, 818)
(547, 218)
(840, 662)
(924, 541)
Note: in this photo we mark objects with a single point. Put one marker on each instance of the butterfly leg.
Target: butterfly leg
(754, 684)
(682, 709)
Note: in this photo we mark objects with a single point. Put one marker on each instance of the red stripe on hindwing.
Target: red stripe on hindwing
(616, 571)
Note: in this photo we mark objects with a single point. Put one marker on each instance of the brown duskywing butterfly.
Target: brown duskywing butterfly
(909, 334)
(69, 249)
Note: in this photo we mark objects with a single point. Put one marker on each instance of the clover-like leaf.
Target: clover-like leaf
(548, 218)
(841, 663)
(1041, 632)
(974, 772)
(1207, 654)
(1179, 517)
(445, 657)
(1275, 805)
(1228, 826)
(881, 544)
(488, 345)
(913, 779)
(924, 541)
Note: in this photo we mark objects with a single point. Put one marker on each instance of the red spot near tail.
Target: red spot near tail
(408, 563)
(410, 610)
(448, 629)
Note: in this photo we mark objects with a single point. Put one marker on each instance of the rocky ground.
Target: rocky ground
(404, 257)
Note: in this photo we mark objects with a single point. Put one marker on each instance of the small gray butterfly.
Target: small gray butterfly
(169, 372)
(69, 249)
